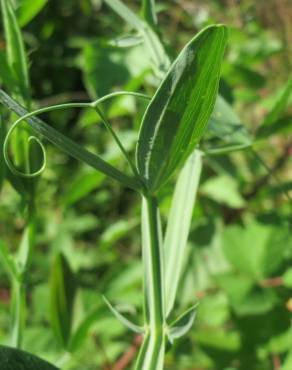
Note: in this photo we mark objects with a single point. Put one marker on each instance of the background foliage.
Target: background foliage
(240, 248)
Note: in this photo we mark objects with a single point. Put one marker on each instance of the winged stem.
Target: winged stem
(152, 350)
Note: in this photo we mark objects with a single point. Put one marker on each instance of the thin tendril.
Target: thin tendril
(91, 105)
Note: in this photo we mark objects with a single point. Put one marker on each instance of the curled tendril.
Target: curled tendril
(91, 105)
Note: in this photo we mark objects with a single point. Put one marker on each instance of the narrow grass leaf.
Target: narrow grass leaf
(126, 13)
(15, 359)
(133, 327)
(26, 246)
(183, 324)
(178, 226)
(16, 56)
(149, 13)
(153, 44)
(2, 161)
(81, 333)
(177, 115)
(6, 76)
(62, 294)
(280, 104)
(67, 145)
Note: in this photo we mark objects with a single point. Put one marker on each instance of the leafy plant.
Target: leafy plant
(185, 121)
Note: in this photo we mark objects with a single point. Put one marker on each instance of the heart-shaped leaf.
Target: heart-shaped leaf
(15, 359)
(177, 115)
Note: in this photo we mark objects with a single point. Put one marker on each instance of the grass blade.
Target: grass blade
(280, 104)
(62, 294)
(2, 161)
(176, 117)
(69, 146)
(126, 13)
(178, 226)
(148, 11)
(16, 55)
(272, 123)
(153, 44)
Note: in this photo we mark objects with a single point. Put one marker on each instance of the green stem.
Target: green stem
(19, 284)
(152, 351)
(18, 313)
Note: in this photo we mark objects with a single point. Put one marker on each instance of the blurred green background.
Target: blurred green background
(240, 247)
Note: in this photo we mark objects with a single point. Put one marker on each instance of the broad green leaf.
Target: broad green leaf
(178, 225)
(245, 296)
(28, 10)
(67, 145)
(214, 309)
(223, 189)
(16, 56)
(218, 338)
(15, 359)
(183, 324)
(257, 302)
(256, 250)
(177, 115)
(148, 11)
(62, 294)
(236, 286)
(133, 327)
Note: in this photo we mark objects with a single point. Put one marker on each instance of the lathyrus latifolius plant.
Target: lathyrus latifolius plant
(170, 133)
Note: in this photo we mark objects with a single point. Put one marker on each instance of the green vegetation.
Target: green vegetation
(151, 135)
